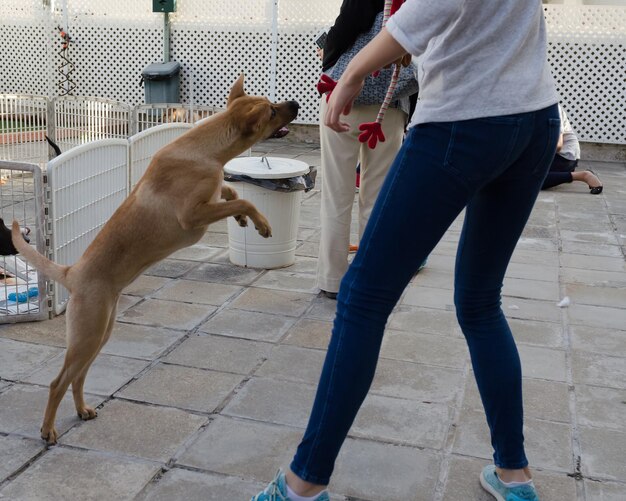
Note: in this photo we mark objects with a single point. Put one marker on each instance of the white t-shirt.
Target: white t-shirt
(477, 58)
(571, 147)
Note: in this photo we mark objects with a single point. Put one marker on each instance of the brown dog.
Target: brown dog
(170, 208)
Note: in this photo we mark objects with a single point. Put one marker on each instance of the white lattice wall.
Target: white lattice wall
(271, 41)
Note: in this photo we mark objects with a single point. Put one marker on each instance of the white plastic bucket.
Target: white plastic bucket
(282, 210)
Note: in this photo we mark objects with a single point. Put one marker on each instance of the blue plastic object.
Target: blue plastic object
(22, 297)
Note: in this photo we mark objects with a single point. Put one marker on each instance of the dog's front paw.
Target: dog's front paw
(264, 229)
(49, 435)
(87, 413)
(242, 221)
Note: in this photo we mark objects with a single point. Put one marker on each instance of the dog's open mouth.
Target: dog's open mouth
(280, 132)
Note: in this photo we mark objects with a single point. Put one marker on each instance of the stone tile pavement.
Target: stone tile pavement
(205, 387)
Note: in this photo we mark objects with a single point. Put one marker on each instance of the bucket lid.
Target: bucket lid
(266, 167)
(160, 71)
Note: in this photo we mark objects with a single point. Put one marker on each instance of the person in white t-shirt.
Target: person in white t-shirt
(481, 140)
(563, 167)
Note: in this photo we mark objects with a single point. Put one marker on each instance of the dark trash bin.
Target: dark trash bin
(162, 82)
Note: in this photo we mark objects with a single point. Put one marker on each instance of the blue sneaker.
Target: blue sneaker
(491, 483)
(276, 490)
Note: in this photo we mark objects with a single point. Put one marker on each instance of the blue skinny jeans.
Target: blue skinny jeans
(491, 167)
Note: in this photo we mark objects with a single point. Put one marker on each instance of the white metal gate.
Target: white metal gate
(86, 185)
(23, 291)
(145, 144)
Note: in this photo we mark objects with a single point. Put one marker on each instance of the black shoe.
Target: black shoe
(329, 295)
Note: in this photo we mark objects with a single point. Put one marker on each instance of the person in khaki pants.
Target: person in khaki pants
(340, 155)
(358, 22)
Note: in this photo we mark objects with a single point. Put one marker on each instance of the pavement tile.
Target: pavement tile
(178, 483)
(385, 472)
(589, 237)
(170, 268)
(417, 381)
(292, 363)
(273, 401)
(182, 387)
(242, 448)
(54, 477)
(310, 333)
(146, 285)
(288, 281)
(224, 274)
(600, 263)
(199, 252)
(125, 302)
(167, 314)
(603, 453)
(18, 360)
(543, 363)
(248, 324)
(47, 332)
(192, 291)
(106, 375)
(597, 296)
(308, 249)
(591, 249)
(400, 421)
(425, 348)
(463, 482)
(546, 334)
(273, 301)
(598, 370)
(15, 452)
(601, 407)
(604, 341)
(219, 353)
(138, 341)
(597, 316)
(427, 297)
(531, 289)
(547, 444)
(595, 278)
(215, 238)
(604, 491)
(415, 319)
(530, 309)
(132, 429)
(22, 408)
(322, 308)
(547, 400)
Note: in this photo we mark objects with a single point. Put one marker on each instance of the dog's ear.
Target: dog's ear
(236, 91)
(257, 118)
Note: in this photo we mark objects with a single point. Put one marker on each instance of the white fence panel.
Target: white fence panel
(87, 184)
(23, 124)
(150, 115)
(144, 145)
(23, 291)
(80, 120)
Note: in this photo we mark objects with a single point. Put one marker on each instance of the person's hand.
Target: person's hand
(341, 99)
(320, 53)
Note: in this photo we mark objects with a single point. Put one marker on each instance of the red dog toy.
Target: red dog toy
(372, 132)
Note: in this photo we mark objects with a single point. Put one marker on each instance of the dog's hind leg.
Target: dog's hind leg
(86, 327)
(82, 409)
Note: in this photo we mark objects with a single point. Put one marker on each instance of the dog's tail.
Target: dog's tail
(54, 145)
(43, 264)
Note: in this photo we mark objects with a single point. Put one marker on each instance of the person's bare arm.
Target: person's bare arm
(559, 145)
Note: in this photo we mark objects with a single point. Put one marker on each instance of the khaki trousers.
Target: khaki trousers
(340, 154)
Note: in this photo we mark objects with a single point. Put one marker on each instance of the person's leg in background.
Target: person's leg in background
(564, 171)
(339, 156)
(375, 162)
